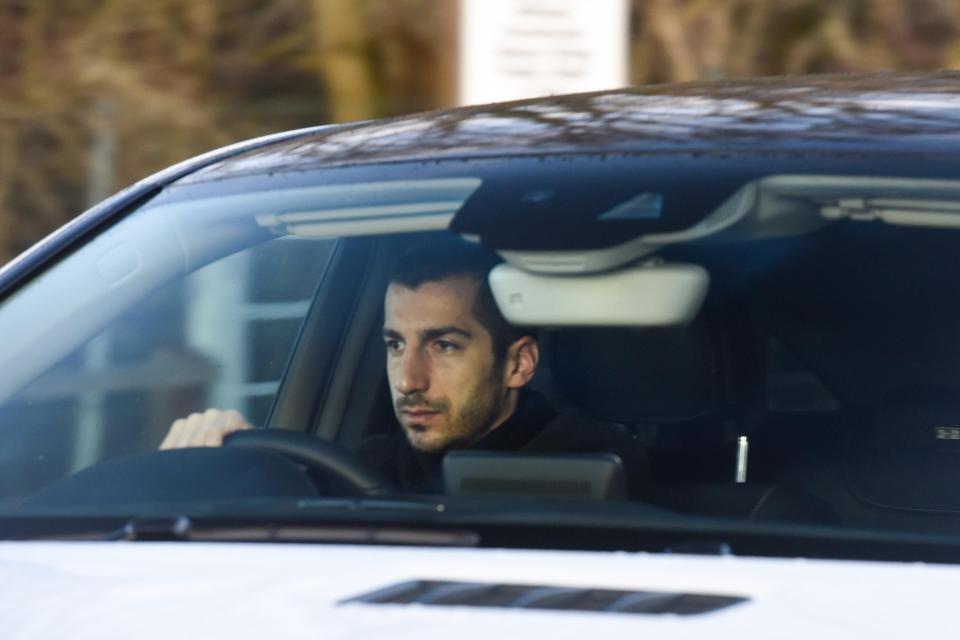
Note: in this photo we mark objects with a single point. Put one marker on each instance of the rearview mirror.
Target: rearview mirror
(657, 295)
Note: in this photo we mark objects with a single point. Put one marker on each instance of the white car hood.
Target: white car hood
(207, 590)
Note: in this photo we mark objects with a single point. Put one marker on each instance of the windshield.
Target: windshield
(333, 345)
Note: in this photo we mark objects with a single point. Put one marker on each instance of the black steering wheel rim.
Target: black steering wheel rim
(316, 454)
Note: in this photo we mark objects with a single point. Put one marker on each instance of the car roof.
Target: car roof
(873, 114)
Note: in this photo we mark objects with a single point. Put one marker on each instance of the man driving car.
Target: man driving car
(458, 375)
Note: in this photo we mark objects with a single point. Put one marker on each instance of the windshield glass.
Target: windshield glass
(252, 348)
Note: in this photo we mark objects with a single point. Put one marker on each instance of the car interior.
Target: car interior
(812, 381)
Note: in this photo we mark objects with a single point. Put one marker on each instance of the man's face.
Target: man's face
(448, 390)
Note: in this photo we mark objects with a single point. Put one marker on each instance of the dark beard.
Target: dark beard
(473, 421)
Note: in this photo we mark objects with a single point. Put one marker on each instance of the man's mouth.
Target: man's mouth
(420, 414)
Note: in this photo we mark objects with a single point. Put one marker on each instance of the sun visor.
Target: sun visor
(656, 295)
(395, 206)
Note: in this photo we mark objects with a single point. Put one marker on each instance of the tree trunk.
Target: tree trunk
(344, 53)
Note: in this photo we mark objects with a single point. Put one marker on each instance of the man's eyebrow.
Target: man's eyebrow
(439, 332)
(390, 333)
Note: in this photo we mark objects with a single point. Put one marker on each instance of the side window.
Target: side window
(219, 337)
(244, 313)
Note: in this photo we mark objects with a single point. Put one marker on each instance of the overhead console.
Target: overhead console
(621, 285)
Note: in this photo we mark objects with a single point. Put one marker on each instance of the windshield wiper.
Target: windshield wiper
(182, 528)
(372, 504)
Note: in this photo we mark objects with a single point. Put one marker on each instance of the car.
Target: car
(754, 283)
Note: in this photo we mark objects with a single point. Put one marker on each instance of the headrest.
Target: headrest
(637, 376)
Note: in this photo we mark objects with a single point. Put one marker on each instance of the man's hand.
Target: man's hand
(207, 429)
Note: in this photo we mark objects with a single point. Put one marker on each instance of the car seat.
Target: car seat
(686, 393)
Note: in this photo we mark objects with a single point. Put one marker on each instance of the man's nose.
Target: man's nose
(412, 374)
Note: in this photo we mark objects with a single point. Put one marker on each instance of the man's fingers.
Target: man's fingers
(232, 421)
(173, 435)
(193, 431)
(207, 429)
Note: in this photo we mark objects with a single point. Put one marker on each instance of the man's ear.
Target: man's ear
(522, 358)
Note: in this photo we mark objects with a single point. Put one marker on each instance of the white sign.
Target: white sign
(513, 49)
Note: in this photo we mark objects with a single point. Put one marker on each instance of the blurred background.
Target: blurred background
(95, 94)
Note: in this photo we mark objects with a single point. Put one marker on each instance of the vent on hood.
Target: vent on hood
(512, 596)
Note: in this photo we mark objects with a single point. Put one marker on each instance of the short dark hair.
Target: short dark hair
(452, 258)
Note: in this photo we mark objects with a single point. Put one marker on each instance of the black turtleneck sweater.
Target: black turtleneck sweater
(534, 427)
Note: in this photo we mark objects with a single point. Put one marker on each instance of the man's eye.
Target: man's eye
(444, 346)
(393, 345)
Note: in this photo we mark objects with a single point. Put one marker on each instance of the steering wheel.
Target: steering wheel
(317, 454)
